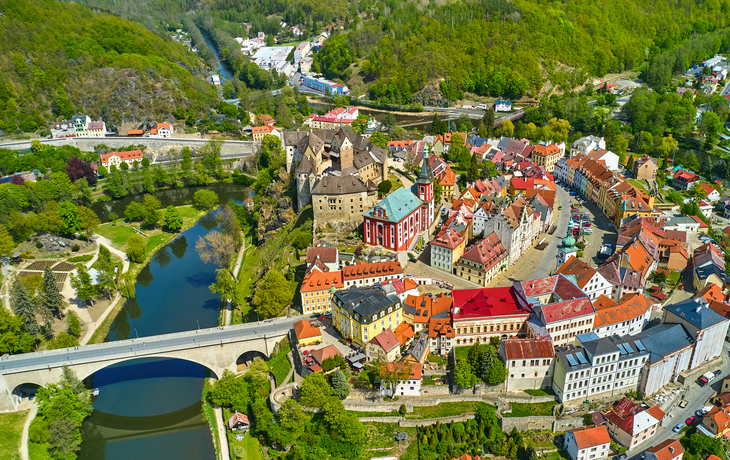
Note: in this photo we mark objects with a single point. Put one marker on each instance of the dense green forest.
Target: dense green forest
(393, 48)
(60, 59)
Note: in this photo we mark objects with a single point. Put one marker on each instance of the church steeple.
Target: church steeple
(425, 176)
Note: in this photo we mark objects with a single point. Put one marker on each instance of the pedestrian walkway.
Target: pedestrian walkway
(236, 268)
(222, 436)
(26, 429)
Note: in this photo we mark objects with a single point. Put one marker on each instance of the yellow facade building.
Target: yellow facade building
(361, 313)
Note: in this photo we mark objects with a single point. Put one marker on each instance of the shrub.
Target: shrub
(238, 451)
(75, 248)
(113, 216)
(403, 410)
(38, 244)
(579, 254)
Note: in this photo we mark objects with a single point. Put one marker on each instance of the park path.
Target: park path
(236, 268)
(222, 436)
(107, 242)
(26, 429)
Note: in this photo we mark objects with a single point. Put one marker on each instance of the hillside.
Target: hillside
(59, 59)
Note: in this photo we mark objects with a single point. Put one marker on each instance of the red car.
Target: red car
(681, 286)
(690, 420)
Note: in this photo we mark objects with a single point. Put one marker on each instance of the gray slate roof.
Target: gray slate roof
(338, 185)
(699, 315)
(663, 340)
(365, 301)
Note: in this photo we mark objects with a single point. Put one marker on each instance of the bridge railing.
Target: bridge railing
(152, 345)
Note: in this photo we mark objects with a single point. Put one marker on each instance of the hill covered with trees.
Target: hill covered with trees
(61, 59)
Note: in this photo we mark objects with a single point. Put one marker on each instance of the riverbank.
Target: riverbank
(117, 233)
(11, 430)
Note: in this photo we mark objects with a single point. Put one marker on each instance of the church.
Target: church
(397, 219)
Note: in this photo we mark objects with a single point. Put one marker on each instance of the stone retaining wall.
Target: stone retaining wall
(404, 422)
(565, 424)
(526, 423)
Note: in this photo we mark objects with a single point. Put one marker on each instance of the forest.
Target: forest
(61, 59)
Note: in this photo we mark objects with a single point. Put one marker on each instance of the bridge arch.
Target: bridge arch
(249, 355)
(216, 372)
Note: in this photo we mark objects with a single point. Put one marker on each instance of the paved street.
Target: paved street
(182, 340)
(697, 397)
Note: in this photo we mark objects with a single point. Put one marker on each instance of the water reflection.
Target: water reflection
(145, 276)
(162, 257)
(133, 420)
(178, 246)
(209, 221)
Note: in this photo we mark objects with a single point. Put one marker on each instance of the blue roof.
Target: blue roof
(397, 205)
(706, 271)
(697, 314)
(502, 101)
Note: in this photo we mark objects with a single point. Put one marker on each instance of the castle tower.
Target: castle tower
(424, 191)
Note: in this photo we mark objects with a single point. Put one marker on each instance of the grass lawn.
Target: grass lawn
(118, 233)
(381, 436)
(279, 365)
(527, 410)
(446, 409)
(11, 428)
(395, 180)
(432, 358)
(546, 392)
(636, 183)
(673, 278)
(251, 447)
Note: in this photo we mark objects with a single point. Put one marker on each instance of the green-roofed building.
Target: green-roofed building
(395, 221)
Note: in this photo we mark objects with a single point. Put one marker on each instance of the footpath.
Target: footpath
(236, 268)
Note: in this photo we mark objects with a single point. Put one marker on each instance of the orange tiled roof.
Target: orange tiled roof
(403, 332)
(440, 327)
(631, 306)
(415, 370)
(667, 450)
(316, 281)
(368, 270)
(591, 436)
(710, 293)
(582, 271)
(304, 330)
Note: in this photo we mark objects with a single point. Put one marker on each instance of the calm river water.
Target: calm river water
(150, 408)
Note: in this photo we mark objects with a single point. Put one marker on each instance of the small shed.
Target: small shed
(239, 422)
(17, 257)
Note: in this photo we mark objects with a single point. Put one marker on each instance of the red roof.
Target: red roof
(386, 340)
(129, 155)
(700, 221)
(415, 369)
(522, 184)
(486, 302)
(326, 254)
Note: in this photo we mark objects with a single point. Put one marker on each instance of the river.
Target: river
(223, 72)
(150, 408)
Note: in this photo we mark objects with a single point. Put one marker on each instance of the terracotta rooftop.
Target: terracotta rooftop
(581, 270)
(486, 302)
(667, 450)
(326, 254)
(304, 330)
(386, 340)
(631, 306)
(591, 436)
(368, 270)
(317, 281)
(323, 353)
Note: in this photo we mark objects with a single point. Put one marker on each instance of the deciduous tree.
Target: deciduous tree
(173, 221)
(136, 249)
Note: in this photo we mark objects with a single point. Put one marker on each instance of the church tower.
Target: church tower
(424, 191)
(566, 250)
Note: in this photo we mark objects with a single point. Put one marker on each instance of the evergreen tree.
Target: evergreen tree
(438, 126)
(340, 387)
(52, 297)
(706, 168)
(489, 122)
(473, 173)
(22, 303)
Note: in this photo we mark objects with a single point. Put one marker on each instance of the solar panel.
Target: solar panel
(571, 360)
(621, 349)
(628, 348)
(581, 358)
(640, 345)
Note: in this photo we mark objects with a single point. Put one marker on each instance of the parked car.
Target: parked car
(678, 427)
(586, 224)
(690, 420)
(683, 404)
(699, 413)
(718, 372)
(588, 231)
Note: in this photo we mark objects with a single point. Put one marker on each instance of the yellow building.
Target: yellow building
(317, 289)
(307, 334)
(361, 313)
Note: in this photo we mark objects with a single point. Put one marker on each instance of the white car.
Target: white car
(588, 231)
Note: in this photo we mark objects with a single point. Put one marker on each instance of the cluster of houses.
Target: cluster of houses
(572, 331)
(78, 126)
(160, 130)
(705, 77)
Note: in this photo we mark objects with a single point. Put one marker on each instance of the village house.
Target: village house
(258, 132)
(645, 168)
(446, 249)
(384, 347)
(117, 158)
(483, 261)
(530, 363)
(400, 287)
(441, 335)
(546, 156)
(479, 314)
(630, 424)
(239, 422)
(162, 130)
(587, 144)
(419, 309)
(501, 105)
(341, 200)
(587, 443)
(589, 280)
(408, 385)
(684, 180)
(327, 255)
(670, 449)
(516, 225)
(716, 422)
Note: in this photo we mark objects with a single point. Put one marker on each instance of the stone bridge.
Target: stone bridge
(217, 349)
(230, 149)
